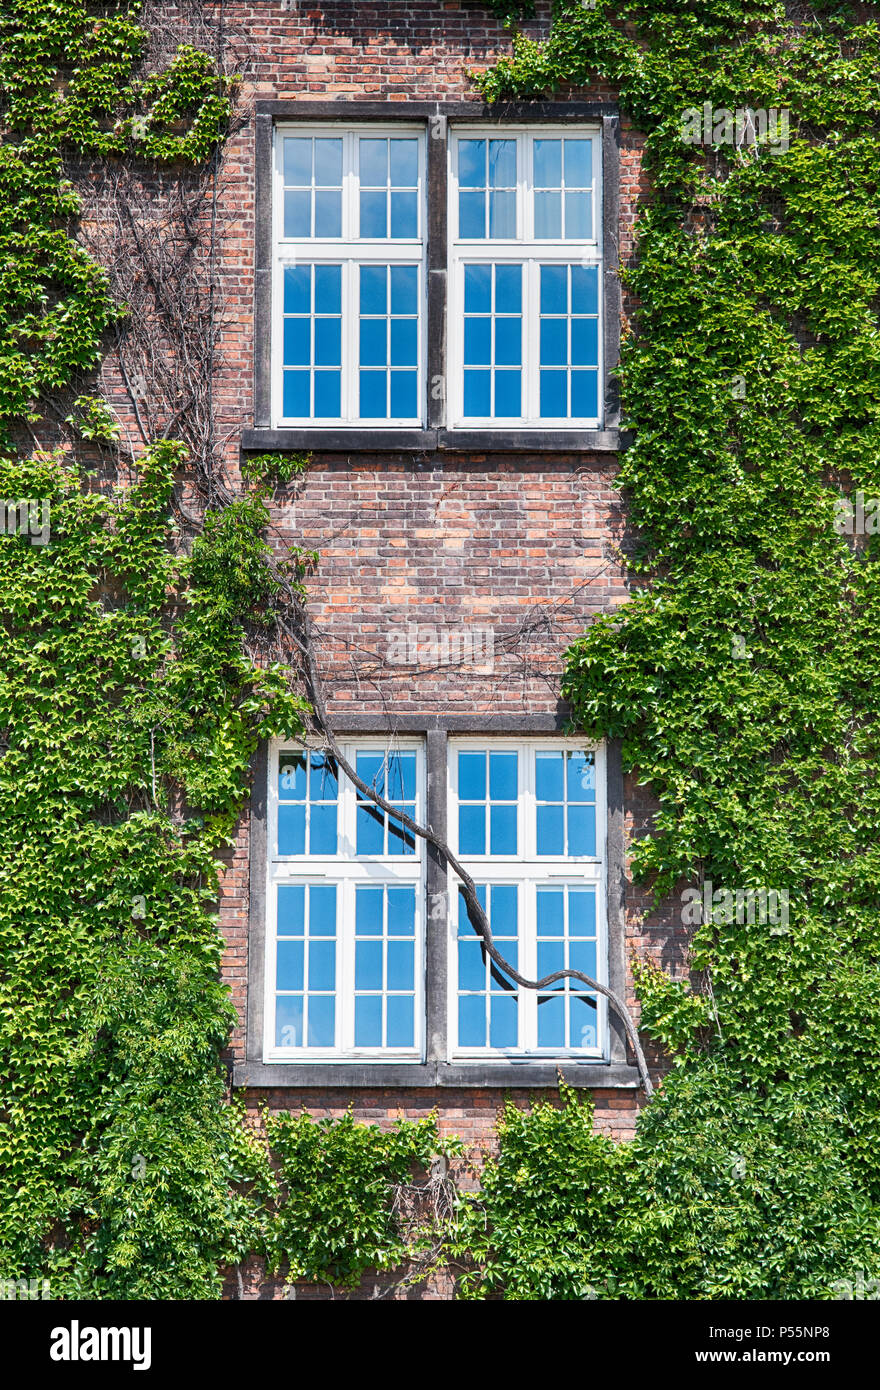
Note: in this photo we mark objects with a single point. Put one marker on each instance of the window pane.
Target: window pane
(401, 911)
(298, 161)
(322, 965)
(295, 401)
(323, 780)
(402, 776)
(291, 829)
(471, 830)
(368, 965)
(551, 1020)
(328, 342)
(472, 215)
(472, 1020)
(502, 215)
(508, 346)
(297, 214)
(404, 395)
(472, 776)
(478, 289)
(322, 910)
(322, 1013)
(502, 163)
(583, 1021)
(585, 395)
(503, 776)
(404, 216)
(551, 836)
(551, 911)
(291, 909)
(289, 1021)
(472, 163)
(554, 343)
(373, 345)
(581, 830)
(368, 911)
(508, 288)
(328, 289)
(328, 163)
(503, 1030)
(549, 776)
(404, 163)
(502, 820)
(554, 289)
(374, 215)
(582, 912)
(289, 974)
(477, 393)
(292, 776)
(373, 162)
(327, 395)
(322, 829)
(373, 386)
(548, 163)
(297, 342)
(554, 392)
(404, 342)
(584, 289)
(370, 830)
(507, 394)
(577, 217)
(551, 957)
(471, 965)
(582, 956)
(401, 840)
(368, 1021)
(548, 215)
(477, 341)
(373, 281)
(584, 341)
(297, 289)
(400, 1031)
(578, 163)
(328, 214)
(401, 965)
(404, 290)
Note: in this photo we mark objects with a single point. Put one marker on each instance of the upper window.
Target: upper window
(523, 329)
(349, 282)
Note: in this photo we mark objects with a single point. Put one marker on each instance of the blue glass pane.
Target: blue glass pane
(368, 1021)
(328, 342)
(503, 776)
(292, 776)
(401, 911)
(370, 768)
(508, 342)
(373, 162)
(472, 215)
(404, 216)
(504, 911)
(400, 840)
(472, 163)
(328, 289)
(402, 777)
(404, 395)
(368, 965)
(328, 163)
(472, 1020)
(370, 830)
(404, 342)
(551, 839)
(471, 830)
(585, 395)
(499, 980)
(322, 1013)
(289, 971)
(291, 829)
(404, 163)
(399, 1032)
(581, 830)
(554, 289)
(374, 214)
(548, 163)
(373, 346)
(584, 289)
(327, 389)
(372, 395)
(322, 964)
(291, 909)
(288, 1022)
(577, 216)
(578, 163)
(373, 289)
(472, 776)
(368, 911)
(551, 911)
(581, 777)
(502, 215)
(584, 342)
(477, 385)
(551, 956)
(554, 343)
(296, 394)
(551, 1020)
(328, 214)
(297, 289)
(502, 823)
(477, 289)
(297, 214)
(401, 965)
(471, 965)
(298, 161)
(553, 395)
(322, 910)
(549, 776)
(502, 163)
(322, 830)
(503, 1030)
(548, 216)
(508, 289)
(297, 342)
(404, 289)
(323, 781)
(477, 341)
(581, 912)
(582, 956)
(507, 393)
(583, 1022)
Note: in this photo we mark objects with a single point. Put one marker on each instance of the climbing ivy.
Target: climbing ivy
(741, 676)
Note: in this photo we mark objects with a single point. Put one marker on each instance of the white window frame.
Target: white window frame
(350, 251)
(523, 250)
(528, 871)
(346, 870)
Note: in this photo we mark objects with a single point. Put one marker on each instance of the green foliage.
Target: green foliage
(741, 677)
(335, 1217)
(280, 468)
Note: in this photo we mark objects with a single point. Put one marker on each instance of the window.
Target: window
(344, 972)
(527, 822)
(525, 278)
(349, 275)
(347, 903)
(523, 329)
